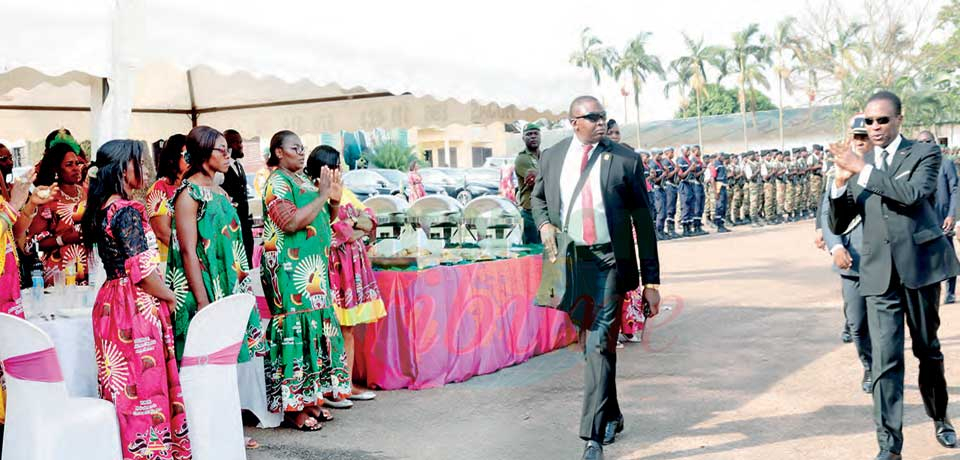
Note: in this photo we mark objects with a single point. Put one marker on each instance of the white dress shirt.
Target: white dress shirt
(569, 176)
(867, 169)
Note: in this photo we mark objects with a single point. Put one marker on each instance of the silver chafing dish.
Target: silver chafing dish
(491, 217)
(438, 215)
(391, 213)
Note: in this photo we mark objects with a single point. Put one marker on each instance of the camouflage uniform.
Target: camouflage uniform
(708, 186)
(735, 214)
(780, 188)
(816, 182)
(754, 188)
(770, 195)
(790, 187)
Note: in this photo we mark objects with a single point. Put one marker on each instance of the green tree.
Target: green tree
(693, 69)
(392, 156)
(593, 55)
(637, 64)
(721, 100)
(787, 46)
(750, 58)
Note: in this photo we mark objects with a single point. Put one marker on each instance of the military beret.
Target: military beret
(531, 127)
(818, 147)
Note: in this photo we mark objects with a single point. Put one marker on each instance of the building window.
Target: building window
(453, 157)
(480, 155)
(441, 158)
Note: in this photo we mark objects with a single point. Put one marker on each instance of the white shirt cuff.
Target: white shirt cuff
(837, 192)
(835, 247)
(865, 176)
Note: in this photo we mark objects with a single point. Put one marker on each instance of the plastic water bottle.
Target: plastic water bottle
(70, 274)
(36, 277)
(95, 277)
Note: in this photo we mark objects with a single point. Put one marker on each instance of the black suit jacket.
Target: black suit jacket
(622, 179)
(900, 226)
(236, 187)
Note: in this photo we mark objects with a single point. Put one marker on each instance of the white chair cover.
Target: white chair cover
(253, 387)
(210, 391)
(43, 423)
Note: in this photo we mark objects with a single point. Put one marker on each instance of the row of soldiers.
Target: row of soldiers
(765, 188)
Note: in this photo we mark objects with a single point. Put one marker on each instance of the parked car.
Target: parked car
(464, 184)
(497, 162)
(365, 183)
(452, 181)
(480, 182)
(400, 182)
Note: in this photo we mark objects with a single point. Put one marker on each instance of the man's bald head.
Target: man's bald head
(926, 137)
(579, 106)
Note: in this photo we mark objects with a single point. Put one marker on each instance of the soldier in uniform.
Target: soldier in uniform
(709, 202)
(687, 198)
(769, 170)
(815, 166)
(754, 184)
(526, 167)
(735, 214)
(656, 174)
(790, 185)
(719, 191)
(698, 190)
(670, 181)
(780, 187)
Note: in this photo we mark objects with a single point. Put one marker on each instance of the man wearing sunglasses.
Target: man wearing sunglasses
(905, 256)
(607, 261)
(945, 204)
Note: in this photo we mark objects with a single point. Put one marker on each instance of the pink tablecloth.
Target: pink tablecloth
(447, 324)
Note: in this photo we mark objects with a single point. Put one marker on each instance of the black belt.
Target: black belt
(596, 248)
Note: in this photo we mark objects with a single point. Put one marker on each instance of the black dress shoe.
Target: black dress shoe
(845, 336)
(614, 427)
(887, 455)
(946, 435)
(867, 382)
(592, 451)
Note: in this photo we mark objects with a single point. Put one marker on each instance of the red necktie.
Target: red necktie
(586, 200)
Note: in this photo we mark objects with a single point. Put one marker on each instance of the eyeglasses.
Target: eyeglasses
(223, 151)
(879, 121)
(593, 117)
(926, 141)
(296, 148)
(861, 137)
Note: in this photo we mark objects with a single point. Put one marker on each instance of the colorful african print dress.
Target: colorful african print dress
(158, 198)
(133, 339)
(355, 291)
(10, 302)
(306, 360)
(57, 218)
(223, 264)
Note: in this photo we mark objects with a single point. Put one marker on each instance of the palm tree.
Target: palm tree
(843, 55)
(593, 55)
(788, 48)
(750, 57)
(693, 69)
(637, 64)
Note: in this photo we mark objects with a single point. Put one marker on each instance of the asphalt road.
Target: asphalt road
(746, 364)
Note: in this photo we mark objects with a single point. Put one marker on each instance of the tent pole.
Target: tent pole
(193, 100)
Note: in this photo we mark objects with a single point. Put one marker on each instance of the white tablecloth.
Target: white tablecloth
(73, 338)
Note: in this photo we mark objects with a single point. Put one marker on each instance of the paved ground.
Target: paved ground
(747, 364)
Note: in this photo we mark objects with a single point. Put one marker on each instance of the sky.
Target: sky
(543, 34)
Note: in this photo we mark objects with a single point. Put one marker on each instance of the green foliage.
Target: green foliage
(392, 156)
(720, 100)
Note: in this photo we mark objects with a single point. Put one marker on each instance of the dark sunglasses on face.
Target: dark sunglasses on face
(860, 137)
(593, 117)
(926, 141)
(879, 121)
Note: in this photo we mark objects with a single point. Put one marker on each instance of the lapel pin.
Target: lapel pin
(606, 156)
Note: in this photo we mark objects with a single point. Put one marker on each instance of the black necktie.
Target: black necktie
(883, 160)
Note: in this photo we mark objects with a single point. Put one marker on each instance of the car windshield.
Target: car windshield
(392, 175)
(436, 176)
(485, 175)
(354, 179)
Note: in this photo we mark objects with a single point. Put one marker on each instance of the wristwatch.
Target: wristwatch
(651, 286)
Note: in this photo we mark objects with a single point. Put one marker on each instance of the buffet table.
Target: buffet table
(450, 323)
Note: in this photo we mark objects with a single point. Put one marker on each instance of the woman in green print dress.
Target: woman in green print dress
(206, 260)
(307, 359)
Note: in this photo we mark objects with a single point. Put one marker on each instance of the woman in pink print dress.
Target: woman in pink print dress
(416, 182)
(132, 333)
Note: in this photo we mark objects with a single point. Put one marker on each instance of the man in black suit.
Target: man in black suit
(904, 258)
(235, 184)
(945, 204)
(612, 204)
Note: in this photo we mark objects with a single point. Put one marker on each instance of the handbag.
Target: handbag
(556, 278)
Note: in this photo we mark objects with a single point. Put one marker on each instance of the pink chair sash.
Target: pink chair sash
(225, 356)
(39, 366)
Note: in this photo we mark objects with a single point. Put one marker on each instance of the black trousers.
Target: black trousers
(855, 312)
(885, 315)
(531, 235)
(596, 288)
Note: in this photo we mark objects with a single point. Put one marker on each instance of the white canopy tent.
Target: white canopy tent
(144, 69)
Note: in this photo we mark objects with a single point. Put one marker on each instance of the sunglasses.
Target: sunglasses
(927, 141)
(593, 116)
(860, 137)
(879, 121)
